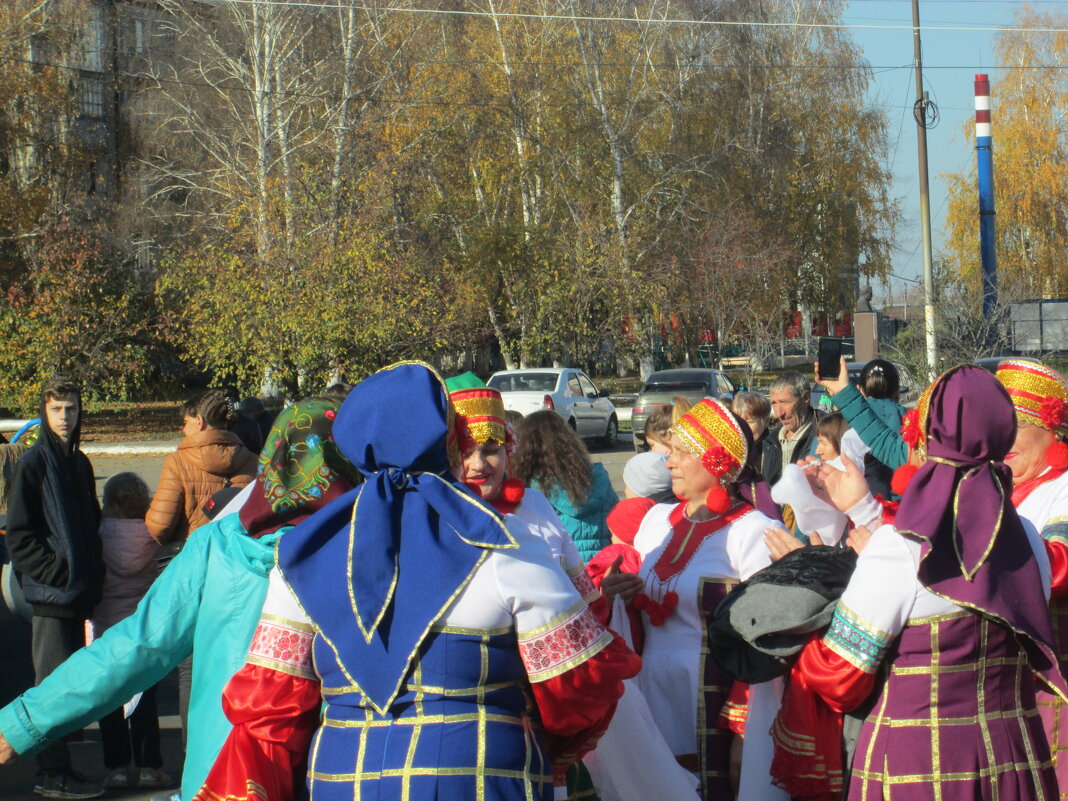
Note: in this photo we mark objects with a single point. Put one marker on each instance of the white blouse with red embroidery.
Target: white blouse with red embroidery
(545, 523)
(522, 589)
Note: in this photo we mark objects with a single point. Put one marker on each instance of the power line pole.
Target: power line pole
(920, 110)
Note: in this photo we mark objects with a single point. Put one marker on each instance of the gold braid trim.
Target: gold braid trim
(1029, 385)
(709, 423)
(480, 412)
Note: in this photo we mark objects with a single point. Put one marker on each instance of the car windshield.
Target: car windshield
(524, 382)
(675, 386)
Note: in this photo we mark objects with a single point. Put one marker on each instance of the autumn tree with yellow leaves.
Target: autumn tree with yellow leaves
(331, 188)
(1029, 104)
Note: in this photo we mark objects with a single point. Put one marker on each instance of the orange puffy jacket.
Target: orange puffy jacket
(204, 463)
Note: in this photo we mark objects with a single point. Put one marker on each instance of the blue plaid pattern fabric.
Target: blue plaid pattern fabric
(463, 727)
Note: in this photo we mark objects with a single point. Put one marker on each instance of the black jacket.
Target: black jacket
(757, 631)
(769, 456)
(53, 522)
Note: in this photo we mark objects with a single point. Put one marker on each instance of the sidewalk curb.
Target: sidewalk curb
(129, 448)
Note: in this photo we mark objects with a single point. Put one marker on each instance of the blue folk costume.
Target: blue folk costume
(416, 642)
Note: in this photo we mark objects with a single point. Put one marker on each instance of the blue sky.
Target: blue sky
(950, 61)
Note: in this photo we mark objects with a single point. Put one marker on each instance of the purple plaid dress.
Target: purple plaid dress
(956, 719)
(1052, 707)
(953, 601)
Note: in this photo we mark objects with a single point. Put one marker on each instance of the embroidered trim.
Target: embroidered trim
(285, 647)
(583, 583)
(564, 646)
(253, 789)
(444, 629)
(687, 537)
(931, 619)
(1056, 532)
(287, 621)
(855, 640)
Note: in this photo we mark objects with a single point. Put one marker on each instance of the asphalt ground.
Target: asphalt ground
(16, 669)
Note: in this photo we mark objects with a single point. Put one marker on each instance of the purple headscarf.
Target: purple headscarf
(973, 548)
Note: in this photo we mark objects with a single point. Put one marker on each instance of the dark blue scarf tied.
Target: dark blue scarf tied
(378, 567)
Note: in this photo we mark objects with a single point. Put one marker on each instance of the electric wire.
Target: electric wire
(631, 20)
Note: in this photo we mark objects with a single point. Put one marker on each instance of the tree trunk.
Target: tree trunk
(502, 340)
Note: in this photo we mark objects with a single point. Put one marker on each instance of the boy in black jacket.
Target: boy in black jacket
(53, 540)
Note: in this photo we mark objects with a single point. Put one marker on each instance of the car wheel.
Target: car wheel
(610, 433)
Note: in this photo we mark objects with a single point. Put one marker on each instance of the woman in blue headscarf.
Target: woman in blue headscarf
(434, 648)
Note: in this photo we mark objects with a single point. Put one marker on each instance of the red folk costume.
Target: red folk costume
(1040, 397)
(409, 632)
(688, 567)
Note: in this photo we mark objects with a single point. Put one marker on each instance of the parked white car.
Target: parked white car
(567, 391)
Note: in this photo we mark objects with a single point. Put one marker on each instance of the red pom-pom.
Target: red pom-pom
(671, 600)
(641, 601)
(512, 490)
(1057, 455)
(1052, 411)
(657, 618)
(902, 476)
(717, 500)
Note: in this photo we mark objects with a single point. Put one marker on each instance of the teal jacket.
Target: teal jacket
(206, 603)
(586, 522)
(871, 426)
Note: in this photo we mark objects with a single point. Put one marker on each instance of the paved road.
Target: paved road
(16, 671)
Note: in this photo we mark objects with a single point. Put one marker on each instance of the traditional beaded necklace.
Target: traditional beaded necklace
(660, 599)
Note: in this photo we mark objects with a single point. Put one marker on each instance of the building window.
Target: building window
(140, 42)
(91, 95)
(91, 47)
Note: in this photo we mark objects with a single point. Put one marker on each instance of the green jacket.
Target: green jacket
(586, 522)
(884, 442)
(206, 603)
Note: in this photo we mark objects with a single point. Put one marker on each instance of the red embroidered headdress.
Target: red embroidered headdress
(711, 431)
(1040, 397)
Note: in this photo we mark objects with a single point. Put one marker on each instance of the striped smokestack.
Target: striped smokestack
(985, 158)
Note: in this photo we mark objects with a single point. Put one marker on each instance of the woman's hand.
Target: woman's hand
(858, 538)
(834, 385)
(780, 542)
(625, 585)
(842, 489)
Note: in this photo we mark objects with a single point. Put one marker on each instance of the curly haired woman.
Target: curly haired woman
(551, 458)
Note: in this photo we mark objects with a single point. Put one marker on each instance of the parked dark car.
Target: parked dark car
(991, 363)
(692, 383)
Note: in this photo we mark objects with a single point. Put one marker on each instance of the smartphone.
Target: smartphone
(830, 361)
